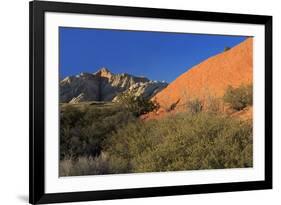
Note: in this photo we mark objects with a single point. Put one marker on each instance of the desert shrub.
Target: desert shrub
(136, 104)
(182, 142)
(110, 139)
(213, 105)
(70, 116)
(84, 166)
(194, 106)
(99, 165)
(82, 131)
(226, 48)
(239, 98)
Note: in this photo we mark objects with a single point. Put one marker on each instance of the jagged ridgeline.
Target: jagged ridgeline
(104, 85)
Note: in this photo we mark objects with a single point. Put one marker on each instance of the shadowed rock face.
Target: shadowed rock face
(105, 86)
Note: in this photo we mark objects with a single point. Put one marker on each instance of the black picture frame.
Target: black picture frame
(37, 193)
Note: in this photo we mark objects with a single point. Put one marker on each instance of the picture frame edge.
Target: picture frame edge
(37, 193)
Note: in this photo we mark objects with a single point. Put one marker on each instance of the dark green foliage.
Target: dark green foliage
(184, 142)
(70, 116)
(137, 104)
(82, 131)
(239, 98)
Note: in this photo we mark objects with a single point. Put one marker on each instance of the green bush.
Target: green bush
(182, 142)
(239, 98)
(82, 131)
(136, 104)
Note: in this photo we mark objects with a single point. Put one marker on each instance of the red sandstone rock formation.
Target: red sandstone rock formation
(209, 78)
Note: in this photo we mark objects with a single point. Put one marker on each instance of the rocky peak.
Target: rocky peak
(103, 72)
(105, 86)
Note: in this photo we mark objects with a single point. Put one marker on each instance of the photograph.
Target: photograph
(147, 101)
(132, 102)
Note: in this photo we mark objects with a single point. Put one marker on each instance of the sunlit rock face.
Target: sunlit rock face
(210, 78)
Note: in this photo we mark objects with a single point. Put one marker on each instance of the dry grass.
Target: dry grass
(84, 166)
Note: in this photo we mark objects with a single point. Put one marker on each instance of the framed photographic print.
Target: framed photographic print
(140, 102)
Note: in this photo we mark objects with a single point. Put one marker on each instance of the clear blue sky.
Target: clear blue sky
(155, 55)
